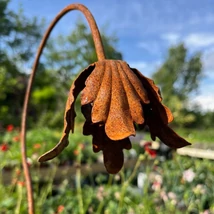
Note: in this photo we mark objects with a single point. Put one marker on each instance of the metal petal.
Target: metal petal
(134, 100)
(92, 84)
(155, 98)
(116, 95)
(101, 104)
(70, 114)
(119, 124)
(113, 158)
(161, 130)
(136, 83)
(112, 150)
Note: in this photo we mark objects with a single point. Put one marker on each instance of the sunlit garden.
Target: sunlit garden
(87, 176)
(77, 182)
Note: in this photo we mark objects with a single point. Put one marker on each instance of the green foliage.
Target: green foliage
(180, 74)
(12, 90)
(178, 77)
(19, 34)
(18, 37)
(65, 57)
(180, 185)
(165, 188)
(204, 137)
(74, 52)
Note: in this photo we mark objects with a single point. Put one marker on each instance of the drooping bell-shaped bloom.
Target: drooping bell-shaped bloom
(114, 99)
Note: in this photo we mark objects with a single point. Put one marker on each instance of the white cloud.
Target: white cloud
(199, 40)
(206, 102)
(171, 38)
(208, 60)
(206, 97)
(145, 68)
(193, 41)
(138, 65)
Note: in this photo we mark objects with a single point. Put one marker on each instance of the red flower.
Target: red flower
(151, 152)
(18, 172)
(37, 146)
(60, 208)
(10, 128)
(80, 147)
(76, 152)
(4, 147)
(29, 162)
(21, 183)
(16, 138)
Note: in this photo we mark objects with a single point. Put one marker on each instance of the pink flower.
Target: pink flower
(158, 180)
(29, 162)
(188, 175)
(172, 195)
(164, 196)
(156, 186)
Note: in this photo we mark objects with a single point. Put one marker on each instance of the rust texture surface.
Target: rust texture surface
(114, 98)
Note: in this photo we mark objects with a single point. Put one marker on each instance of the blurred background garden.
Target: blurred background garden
(155, 179)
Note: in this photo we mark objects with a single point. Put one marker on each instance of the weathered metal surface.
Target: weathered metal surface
(114, 98)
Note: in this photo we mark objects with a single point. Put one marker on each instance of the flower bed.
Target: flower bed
(177, 185)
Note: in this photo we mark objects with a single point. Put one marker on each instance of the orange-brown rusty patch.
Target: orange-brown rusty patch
(115, 97)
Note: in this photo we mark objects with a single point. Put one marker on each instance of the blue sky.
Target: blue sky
(145, 29)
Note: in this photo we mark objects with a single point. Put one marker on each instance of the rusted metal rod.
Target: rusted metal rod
(100, 56)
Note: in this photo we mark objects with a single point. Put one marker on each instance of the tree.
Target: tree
(69, 54)
(17, 35)
(65, 57)
(178, 77)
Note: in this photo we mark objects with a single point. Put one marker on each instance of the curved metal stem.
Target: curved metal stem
(100, 56)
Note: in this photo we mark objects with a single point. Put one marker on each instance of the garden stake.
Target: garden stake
(115, 98)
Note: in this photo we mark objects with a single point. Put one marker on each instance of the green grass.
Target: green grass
(41, 140)
(200, 138)
(197, 135)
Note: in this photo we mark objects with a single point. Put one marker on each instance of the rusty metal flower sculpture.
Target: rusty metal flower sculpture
(114, 98)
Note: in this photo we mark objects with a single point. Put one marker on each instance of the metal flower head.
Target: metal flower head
(114, 100)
